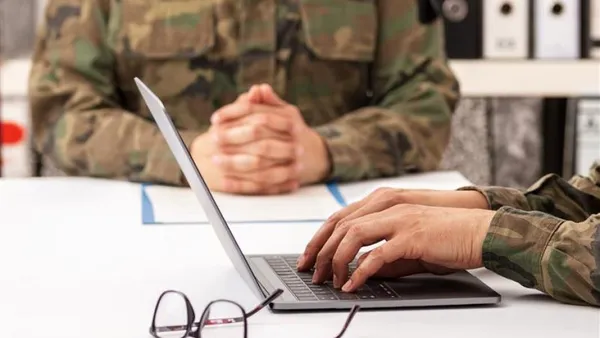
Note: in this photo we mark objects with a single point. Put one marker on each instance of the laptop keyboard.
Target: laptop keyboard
(300, 284)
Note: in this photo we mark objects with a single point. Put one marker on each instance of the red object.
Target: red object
(11, 133)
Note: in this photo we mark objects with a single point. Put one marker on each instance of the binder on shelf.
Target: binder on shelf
(463, 28)
(557, 29)
(594, 32)
(506, 29)
(587, 135)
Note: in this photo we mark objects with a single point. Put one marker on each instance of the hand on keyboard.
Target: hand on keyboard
(418, 239)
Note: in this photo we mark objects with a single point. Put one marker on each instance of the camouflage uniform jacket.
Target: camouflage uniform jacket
(372, 81)
(548, 236)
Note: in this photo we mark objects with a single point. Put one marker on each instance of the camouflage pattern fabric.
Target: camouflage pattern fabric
(371, 80)
(548, 236)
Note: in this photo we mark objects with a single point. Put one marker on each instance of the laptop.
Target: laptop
(265, 274)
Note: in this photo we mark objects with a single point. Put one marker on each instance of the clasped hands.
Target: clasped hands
(259, 145)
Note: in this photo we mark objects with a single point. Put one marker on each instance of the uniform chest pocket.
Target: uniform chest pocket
(340, 29)
(162, 29)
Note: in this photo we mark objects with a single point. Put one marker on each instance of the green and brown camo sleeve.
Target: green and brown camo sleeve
(77, 119)
(548, 236)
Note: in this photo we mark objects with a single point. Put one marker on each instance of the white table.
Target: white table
(76, 262)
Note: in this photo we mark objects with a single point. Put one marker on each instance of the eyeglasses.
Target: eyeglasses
(174, 316)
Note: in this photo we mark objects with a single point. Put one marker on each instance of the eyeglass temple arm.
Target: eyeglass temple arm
(266, 302)
(353, 312)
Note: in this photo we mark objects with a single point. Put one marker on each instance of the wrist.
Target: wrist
(321, 161)
(474, 199)
(482, 226)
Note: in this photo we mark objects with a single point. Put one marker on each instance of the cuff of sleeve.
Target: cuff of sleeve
(515, 244)
(161, 165)
(498, 197)
(346, 163)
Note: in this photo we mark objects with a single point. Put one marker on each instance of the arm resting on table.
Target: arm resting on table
(538, 250)
(574, 200)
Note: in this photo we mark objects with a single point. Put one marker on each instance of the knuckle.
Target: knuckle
(360, 272)
(267, 176)
(403, 207)
(356, 231)
(398, 196)
(382, 191)
(311, 248)
(334, 218)
(265, 147)
(259, 162)
(338, 262)
(322, 259)
(294, 111)
(376, 254)
(290, 150)
(232, 186)
(252, 188)
(286, 173)
(254, 131)
(266, 119)
(342, 225)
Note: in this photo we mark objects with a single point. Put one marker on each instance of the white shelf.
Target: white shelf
(528, 78)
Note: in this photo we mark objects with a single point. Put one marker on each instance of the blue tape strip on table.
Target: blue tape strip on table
(148, 208)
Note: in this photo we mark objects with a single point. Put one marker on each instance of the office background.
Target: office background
(508, 141)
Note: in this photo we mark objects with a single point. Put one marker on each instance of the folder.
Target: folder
(506, 29)
(462, 25)
(174, 205)
(557, 29)
(594, 22)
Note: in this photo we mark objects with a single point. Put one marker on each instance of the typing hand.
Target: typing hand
(418, 238)
(264, 139)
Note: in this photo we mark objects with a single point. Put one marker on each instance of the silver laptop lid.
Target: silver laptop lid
(198, 186)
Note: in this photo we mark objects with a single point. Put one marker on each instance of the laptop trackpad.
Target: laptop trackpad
(458, 284)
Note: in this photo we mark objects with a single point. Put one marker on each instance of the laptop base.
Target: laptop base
(422, 290)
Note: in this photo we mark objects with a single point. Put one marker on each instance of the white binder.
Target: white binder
(588, 135)
(506, 29)
(557, 28)
(595, 29)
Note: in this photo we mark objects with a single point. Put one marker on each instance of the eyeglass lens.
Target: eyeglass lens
(223, 312)
(171, 318)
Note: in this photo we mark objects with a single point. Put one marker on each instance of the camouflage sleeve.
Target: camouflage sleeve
(548, 236)
(78, 121)
(538, 250)
(406, 127)
(573, 200)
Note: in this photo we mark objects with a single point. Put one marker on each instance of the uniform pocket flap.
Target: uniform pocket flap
(340, 29)
(164, 28)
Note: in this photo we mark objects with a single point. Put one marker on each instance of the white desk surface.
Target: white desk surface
(77, 262)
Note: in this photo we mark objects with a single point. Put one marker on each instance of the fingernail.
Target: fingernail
(215, 137)
(335, 282)
(298, 167)
(299, 151)
(216, 159)
(348, 286)
(314, 279)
